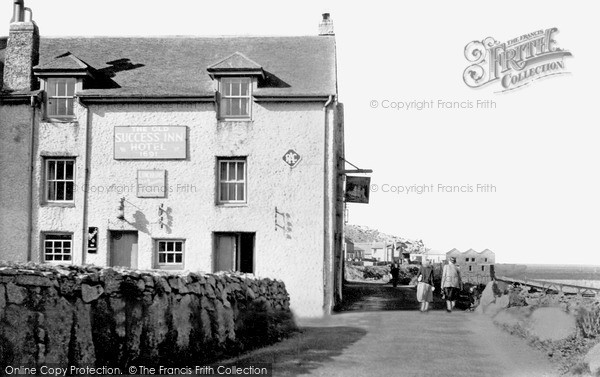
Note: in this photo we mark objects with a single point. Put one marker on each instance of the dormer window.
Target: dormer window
(235, 76)
(235, 98)
(61, 78)
(60, 95)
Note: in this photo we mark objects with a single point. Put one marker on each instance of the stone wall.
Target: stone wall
(115, 317)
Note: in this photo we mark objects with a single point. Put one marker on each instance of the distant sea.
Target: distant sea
(584, 275)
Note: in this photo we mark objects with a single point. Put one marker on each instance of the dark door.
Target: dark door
(234, 251)
(123, 249)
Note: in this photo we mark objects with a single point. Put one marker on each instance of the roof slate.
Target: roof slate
(177, 66)
(64, 62)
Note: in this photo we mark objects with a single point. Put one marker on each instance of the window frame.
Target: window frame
(45, 161)
(228, 160)
(167, 265)
(222, 97)
(43, 248)
(46, 82)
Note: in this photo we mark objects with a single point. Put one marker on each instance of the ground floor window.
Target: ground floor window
(58, 247)
(234, 252)
(170, 253)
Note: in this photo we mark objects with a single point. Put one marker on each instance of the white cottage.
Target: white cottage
(180, 153)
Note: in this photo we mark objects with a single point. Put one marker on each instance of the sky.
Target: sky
(536, 151)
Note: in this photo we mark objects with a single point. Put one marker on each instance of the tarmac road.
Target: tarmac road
(368, 339)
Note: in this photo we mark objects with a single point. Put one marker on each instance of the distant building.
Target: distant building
(475, 267)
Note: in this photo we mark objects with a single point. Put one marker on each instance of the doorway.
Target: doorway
(234, 251)
(123, 248)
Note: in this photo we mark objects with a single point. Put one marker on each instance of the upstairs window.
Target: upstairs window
(60, 179)
(60, 94)
(232, 181)
(236, 98)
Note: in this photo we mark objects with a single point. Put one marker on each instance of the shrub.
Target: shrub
(588, 321)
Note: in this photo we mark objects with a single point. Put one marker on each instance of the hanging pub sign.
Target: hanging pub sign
(151, 184)
(150, 142)
(92, 240)
(357, 189)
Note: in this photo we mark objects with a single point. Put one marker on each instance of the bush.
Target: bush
(588, 321)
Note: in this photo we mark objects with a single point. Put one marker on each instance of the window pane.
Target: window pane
(69, 191)
(178, 258)
(71, 87)
(235, 88)
(231, 171)
(51, 191)
(226, 107)
(161, 246)
(223, 168)
(169, 258)
(60, 170)
(178, 246)
(69, 169)
(245, 87)
(69, 109)
(61, 87)
(161, 258)
(235, 107)
(51, 169)
(223, 192)
(226, 87)
(61, 106)
(240, 171)
(60, 190)
(169, 246)
(231, 191)
(240, 191)
(67, 257)
(244, 106)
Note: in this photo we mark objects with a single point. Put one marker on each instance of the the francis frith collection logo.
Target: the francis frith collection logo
(515, 63)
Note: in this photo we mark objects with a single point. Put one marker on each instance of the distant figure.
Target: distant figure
(451, 283)
(425, 286)
(395, 271)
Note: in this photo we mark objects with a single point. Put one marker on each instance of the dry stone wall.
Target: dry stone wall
(81, 316)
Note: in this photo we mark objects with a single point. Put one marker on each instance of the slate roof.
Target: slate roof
(64, 62)
(177, 66)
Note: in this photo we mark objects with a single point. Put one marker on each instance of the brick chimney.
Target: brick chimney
(22, 50)
(326, 25)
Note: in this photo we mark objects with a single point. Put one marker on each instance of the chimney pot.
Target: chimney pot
(18, 11)
(22, 51)
(326, 25)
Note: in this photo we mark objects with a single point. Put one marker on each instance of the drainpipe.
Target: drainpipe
(328, 249)
(33, 104)
(86, 161)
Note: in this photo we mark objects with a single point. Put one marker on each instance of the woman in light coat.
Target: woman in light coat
(451, 283)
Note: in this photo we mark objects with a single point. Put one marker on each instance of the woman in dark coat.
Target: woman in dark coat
(395, 271)
(425, 285)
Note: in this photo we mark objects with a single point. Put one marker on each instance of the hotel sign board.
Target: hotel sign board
(150, 142)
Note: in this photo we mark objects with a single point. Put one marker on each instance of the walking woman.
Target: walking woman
(425, 285)
(451, 283)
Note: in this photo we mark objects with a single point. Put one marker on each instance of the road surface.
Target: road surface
(369, 339)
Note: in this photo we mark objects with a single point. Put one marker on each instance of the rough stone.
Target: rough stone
(90, 293)
(593, 359)
(15, 294)
(551, 323)
(2, 300)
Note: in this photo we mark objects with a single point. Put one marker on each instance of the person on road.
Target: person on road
(395, 271)
(425, 286)
(451, 283)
